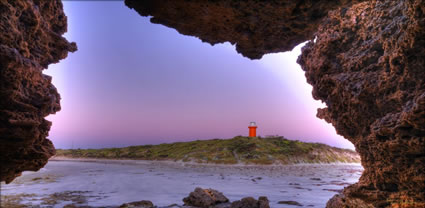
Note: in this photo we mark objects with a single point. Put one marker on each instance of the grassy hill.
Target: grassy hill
(269, 150)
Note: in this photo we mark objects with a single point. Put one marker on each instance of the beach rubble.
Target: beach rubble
(207, 198)
(138, 204)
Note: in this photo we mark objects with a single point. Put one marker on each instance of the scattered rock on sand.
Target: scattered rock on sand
(205, 198)
(249, 202)
(211, 198)
(74, 206)
(36, 179)
(295, 203)
(334, 190)
(138, 204)
(76, 197)
(173, 206)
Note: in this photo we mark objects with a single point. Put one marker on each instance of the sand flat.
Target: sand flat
(102, 182)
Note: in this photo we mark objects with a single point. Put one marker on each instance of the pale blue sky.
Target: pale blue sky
(132, 82)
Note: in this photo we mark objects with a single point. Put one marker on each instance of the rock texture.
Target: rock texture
(368, 65)
(255, 27)
(210, 198)
(30, 40)
(205, 198)
(249, 202)
(138, 204)
(365, 60)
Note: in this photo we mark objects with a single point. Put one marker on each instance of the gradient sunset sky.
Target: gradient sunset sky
(132, 83)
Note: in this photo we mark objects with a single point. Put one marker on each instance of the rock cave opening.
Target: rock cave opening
(366, 65)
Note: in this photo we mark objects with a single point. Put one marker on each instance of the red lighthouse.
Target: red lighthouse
(252, 129)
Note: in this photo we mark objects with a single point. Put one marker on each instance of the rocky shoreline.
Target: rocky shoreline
(112, 183)
(207, 198)
(199, 198)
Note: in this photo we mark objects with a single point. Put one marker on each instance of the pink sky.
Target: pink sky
(132, 82)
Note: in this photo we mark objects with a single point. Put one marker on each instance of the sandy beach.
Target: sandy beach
(99, 182)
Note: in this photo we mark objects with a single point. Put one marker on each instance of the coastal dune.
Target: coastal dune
(237, 150)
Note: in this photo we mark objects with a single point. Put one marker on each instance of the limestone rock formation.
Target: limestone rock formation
(256, 27)
(367, 64)
(249, 202)
(138, 204)
(30, 40)
(365, 60)
(204, 198)
(211, 198)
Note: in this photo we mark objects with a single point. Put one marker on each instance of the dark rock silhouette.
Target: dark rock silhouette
(30, 40)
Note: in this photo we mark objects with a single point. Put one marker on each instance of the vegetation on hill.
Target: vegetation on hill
(269, 150)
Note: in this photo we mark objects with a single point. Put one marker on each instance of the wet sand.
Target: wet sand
(114, 182)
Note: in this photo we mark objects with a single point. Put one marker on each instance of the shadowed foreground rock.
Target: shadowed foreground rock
(30, 40)
(367, 64)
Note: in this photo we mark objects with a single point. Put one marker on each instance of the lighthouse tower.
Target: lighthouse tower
(252, 129)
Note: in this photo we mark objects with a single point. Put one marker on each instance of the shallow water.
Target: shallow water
(111, 183)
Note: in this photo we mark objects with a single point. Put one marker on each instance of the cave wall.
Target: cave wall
(255, 27)
(364, 59)
(366, 64)
(30, 40)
